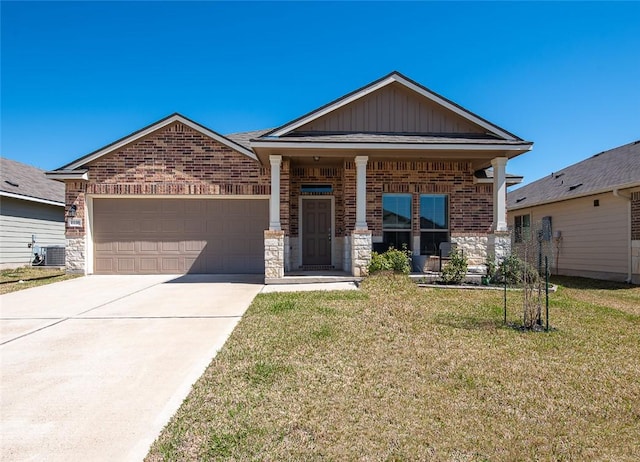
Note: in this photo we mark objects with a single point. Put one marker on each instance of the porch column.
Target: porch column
(499, 194)
(274, 200)
(361, 192)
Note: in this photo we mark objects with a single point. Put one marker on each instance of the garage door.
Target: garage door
(175, 236)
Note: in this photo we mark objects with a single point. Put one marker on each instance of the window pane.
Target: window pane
(396, 211)
(397, 239)
(434, 211)
(430, 241)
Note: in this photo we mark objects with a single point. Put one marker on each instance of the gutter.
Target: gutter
(618, 194)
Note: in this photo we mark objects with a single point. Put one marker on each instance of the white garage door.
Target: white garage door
(176, 236)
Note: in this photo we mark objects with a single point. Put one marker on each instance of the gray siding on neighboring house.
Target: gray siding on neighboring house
(594, 239)
(393, 109)
(19, 220)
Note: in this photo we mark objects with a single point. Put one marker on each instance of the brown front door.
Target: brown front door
(316, 232)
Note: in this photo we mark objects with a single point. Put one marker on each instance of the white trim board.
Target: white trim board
(31, 199)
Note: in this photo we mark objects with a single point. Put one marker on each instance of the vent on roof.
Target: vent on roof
(15, 185)
(558, 175)
(575, 186)
(521, 199)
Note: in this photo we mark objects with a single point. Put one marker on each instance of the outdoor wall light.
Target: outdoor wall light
(72, 210)
(316, 158)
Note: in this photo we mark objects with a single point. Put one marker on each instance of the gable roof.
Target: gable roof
(81, 162)
(617, 168)
(393, 77)
(26, 182)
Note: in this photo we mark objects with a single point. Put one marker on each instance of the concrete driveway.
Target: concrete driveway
(93, 368)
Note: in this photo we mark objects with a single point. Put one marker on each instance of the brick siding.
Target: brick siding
(175, 160)
(635, 216)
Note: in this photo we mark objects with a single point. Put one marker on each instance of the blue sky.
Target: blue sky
(76, 76)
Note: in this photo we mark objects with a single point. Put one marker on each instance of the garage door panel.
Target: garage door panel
(148, 247)
(172, 264)
(179, 235)
(149, 265)
(126, 265)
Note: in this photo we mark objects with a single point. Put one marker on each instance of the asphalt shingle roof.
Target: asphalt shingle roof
(243, 138)
(618, 167)
(31, 182)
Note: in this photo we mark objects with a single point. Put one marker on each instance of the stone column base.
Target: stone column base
(499, 245)
(360, 252)
(75, 255)
(273, 254)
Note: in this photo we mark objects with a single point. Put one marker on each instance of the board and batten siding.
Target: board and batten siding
(393, 109)
(595, 240)
(19, 220)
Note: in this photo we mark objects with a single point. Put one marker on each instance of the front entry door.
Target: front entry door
(316, 232)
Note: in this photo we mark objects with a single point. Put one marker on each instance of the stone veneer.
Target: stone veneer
(75, 255)
(360, 252)
(499, 244)
(273, 254)
(473, 246)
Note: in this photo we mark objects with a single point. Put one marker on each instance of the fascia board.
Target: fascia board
(31, 199)
(81, 175)
(392, 146)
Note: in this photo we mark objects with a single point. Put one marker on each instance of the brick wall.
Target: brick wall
(470, 205)
(175, 160)
(635, 216)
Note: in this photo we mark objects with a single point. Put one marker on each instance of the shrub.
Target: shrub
(398, 261)
(516, 271)
(456, 268)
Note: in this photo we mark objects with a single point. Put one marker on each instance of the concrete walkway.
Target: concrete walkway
(93, 368)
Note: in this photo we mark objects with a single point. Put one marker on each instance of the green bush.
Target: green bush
(516, 271)
(456, 268)
(398, 261)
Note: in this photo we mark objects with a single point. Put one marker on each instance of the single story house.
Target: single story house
(591, 212)
(391, 163)
(31, 212)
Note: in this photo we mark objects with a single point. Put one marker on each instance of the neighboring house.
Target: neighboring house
(31, 212)
(592, 214)
(391, 163)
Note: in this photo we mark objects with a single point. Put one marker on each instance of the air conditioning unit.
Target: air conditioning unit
(54, 256)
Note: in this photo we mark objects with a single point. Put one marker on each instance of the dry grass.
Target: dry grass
(395, 372)
(12, 280)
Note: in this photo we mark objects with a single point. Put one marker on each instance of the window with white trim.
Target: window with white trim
(522, 227)
(396, 220)
(434, 222)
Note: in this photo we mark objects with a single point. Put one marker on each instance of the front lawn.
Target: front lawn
(12, 280)
(396, 372)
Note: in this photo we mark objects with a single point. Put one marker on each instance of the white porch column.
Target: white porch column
(274, 200)
(499, 165)
(361, 192)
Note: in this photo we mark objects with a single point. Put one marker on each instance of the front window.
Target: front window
(396, 220)
(434, 222)
(522, 228)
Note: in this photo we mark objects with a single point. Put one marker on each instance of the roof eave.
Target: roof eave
(66, 174)
(31, 199)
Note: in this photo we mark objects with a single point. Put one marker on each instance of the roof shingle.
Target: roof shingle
(618, 167)
(28, 181)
